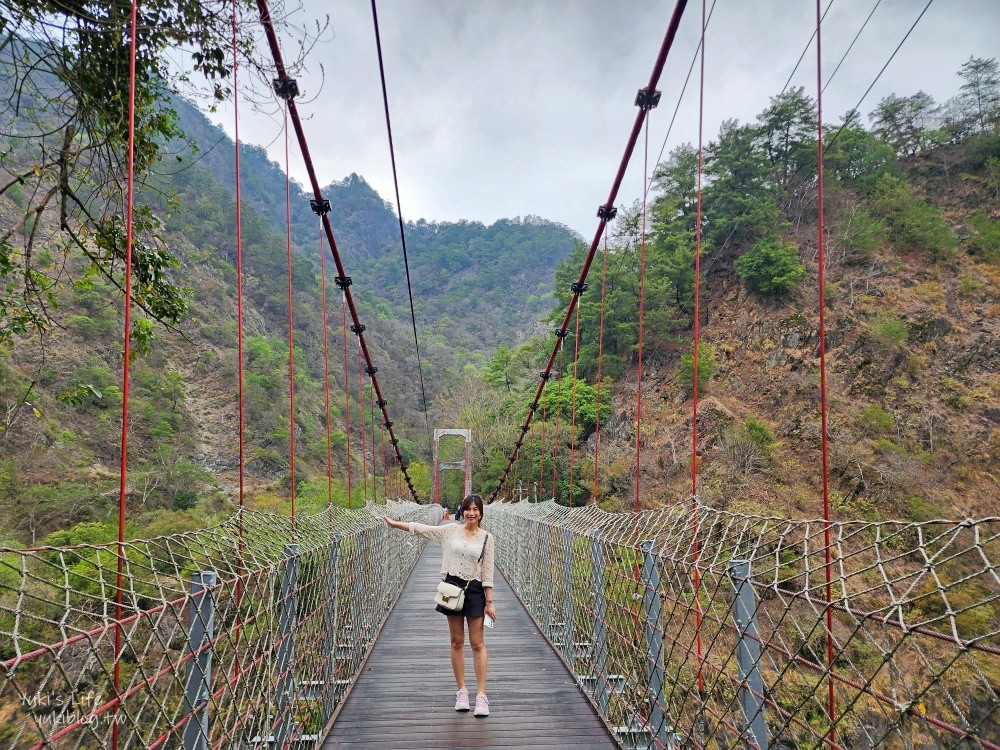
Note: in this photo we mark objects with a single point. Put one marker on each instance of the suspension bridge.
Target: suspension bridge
(680, 627)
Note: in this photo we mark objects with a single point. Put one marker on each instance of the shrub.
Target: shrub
(706, 367)
(875, 420)
(889, 331)
(771, 267)
(913, 223)
(759, 433)
(984, 236)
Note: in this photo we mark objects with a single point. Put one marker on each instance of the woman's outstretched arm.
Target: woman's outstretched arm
(417, 529)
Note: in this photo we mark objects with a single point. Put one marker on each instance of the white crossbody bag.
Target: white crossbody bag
(452, 597)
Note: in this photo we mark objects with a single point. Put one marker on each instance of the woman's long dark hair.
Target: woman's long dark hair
(471, 500)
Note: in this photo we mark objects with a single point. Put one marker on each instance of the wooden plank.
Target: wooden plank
(405, 698)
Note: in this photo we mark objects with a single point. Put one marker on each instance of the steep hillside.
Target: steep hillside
(62, 389)
(912, 295)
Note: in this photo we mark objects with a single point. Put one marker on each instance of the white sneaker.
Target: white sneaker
(462, 700)
(482, 705)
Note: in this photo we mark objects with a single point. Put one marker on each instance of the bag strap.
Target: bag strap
(481, 555)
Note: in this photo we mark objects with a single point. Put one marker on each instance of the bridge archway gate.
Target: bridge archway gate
(202, 667)
(465, 465)
(916, 634)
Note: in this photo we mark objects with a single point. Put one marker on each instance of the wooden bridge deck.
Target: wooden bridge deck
(405, 697)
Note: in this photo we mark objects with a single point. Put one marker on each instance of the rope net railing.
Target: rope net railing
(915, 624)
(218, 650)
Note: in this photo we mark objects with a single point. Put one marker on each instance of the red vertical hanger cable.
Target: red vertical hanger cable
(347, 401)
(831, 698)
(694, 406)
(572, 428)
(119, 578)
(326, 379)
(558, 410)
(541, 452)
(371, 409)
(291, 333)
(646, 99)
(600, 355)
(642, 303)
(239, 337)
(364, 428)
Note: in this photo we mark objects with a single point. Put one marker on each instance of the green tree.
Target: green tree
(772, 266)
(738, 201)
(498, 370)
(706, 366)
(65, 69)
(979, 97)
(904, 122)
(788, 133)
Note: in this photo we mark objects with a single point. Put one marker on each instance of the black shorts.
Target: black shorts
(475, 599)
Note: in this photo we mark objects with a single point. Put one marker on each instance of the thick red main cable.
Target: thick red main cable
(119, 578)
(291, 334)
(286, 85)
(831, 698)
(640, 117)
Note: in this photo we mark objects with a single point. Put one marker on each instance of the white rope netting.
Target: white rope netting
(915, 624)
(286, 629)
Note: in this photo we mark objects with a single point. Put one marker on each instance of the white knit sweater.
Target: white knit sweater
(461, 554)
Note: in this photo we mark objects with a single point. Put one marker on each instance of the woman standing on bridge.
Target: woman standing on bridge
(468, 558)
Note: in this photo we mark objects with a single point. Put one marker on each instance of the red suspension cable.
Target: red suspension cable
(239, 337)
(642, 304)
(600, 354)
(125, 369)
(364, 448)
(831, 698)
(697, 340)
(555, 437)
(572, 429)
(347, 404)
(291, 334)
(541, 453)
(606, 211)
(288, 90)
(326, 375)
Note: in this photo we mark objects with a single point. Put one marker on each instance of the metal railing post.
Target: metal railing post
(198, 684)
(286, 647)
(603, 687)
(652, 605)
(754, 724)
(568, 645)
(330, 640)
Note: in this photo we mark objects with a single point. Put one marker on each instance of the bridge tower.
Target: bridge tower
(465, 465)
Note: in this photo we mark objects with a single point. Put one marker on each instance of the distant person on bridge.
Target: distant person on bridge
(468, 558)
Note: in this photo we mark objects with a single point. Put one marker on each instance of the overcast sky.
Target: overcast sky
(516, 107)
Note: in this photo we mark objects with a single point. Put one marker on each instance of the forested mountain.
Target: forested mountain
(463, 274)
(912, 239)
(475, 287)
(912, 246)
